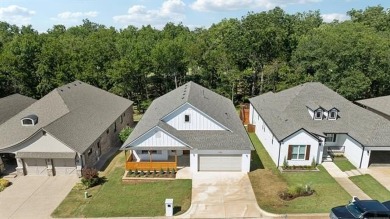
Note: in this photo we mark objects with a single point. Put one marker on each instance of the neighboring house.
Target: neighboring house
(311, 121)
(378, 105)
(190, 126)
(12, 105)
(70, 128)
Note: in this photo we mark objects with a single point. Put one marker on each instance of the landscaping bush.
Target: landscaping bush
(3, 184)
(296, 191)
(90, 177)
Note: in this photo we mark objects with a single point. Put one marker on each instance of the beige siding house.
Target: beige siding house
(72, 127)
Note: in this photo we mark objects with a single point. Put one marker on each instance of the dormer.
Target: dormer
(332, 114)
(318, 114)
(29, 120)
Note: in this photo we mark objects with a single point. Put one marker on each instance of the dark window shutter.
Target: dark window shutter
(307, 152)
(289, 155)
(334, 137)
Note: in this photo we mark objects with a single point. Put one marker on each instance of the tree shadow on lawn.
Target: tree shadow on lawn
(256, 162)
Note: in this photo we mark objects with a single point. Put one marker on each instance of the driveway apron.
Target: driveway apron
(34, 196)
(222, 195)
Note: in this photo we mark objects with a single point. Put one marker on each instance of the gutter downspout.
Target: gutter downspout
(280, 145)
(361, 158)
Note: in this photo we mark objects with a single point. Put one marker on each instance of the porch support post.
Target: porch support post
(150, 156)
(176, 157)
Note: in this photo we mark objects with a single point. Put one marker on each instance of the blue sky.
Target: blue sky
(43, 14)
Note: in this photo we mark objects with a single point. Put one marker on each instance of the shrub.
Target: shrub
(285, 163)
(154, 172)
(313, 163)
(90, 177)
(141, 173)
(124, 133)
(161, 171)
(4, 183)
(296, 191)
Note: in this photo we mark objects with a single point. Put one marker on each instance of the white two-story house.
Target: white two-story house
(311, 122)
(189, 126)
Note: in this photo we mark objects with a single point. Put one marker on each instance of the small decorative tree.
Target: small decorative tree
(313, 163)
(90, 177)
(285, 163)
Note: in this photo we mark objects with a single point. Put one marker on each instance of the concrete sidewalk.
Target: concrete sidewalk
(342, 178)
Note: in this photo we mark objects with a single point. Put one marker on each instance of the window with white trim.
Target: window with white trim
(318, 114)
(332, 115)
(298, 152)
(330, 137)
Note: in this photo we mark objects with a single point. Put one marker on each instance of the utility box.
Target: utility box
(168, 207)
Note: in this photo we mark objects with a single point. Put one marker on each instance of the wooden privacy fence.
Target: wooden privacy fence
(251, 128)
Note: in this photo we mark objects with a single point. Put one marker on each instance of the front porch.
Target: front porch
(172, 162)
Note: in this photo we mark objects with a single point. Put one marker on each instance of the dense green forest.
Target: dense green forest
(261, 52)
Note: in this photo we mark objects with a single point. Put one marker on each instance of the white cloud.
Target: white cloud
(68, 16)
(231, 5)
(15, 14)
(170, 10)
(334, 16)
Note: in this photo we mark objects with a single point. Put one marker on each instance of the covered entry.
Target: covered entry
(380, 158)
(220, 162)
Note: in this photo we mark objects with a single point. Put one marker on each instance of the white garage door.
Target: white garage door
(35, 166)
(220, 163)
(64, 166)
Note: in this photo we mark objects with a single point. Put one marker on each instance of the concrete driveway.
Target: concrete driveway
(222, 195)
(34, 196)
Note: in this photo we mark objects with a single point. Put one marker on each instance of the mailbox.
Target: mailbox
(169, 207)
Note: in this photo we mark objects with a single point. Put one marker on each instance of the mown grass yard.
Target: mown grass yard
(117, 199)
(371, 187)
(267, 181)
(344, 164)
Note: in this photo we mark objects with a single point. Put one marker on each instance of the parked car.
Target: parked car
(362, 209)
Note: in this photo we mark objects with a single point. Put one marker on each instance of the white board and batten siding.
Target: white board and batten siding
(158, 139)
(264, 134)
(198, 119)
(301, 137)
(215, 160)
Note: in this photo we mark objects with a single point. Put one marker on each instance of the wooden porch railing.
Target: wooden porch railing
(149, 165)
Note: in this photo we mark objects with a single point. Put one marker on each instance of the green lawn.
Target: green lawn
(117, 199)
(371, 187)
(343, 164)
(267, 181)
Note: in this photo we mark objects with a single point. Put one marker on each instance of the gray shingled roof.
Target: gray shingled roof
(76, 114)
(286, 112)
(12, 105)
(212, 104)
(380, 104)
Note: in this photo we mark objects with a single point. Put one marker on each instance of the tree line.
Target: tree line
(238, 58)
